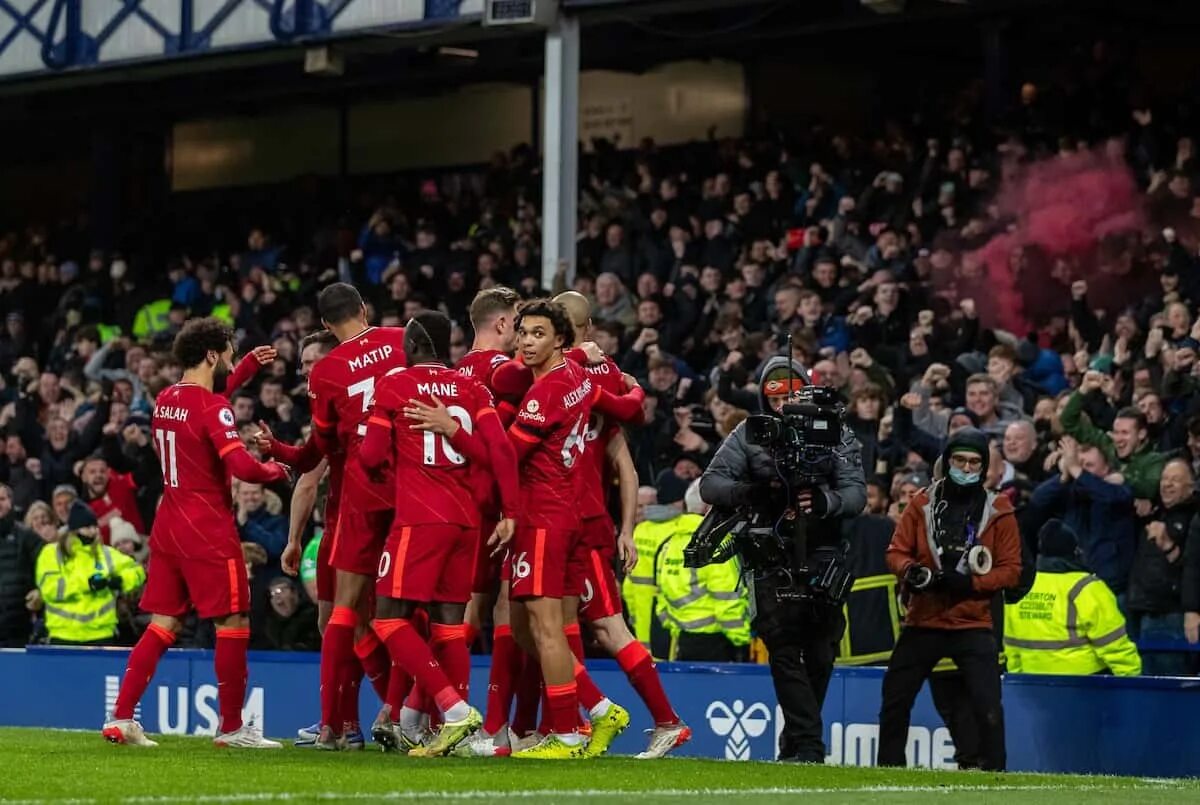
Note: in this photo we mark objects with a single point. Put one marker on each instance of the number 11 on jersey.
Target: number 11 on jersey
(166, 456)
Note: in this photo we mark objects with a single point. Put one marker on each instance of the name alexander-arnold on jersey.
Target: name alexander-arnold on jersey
(573, 398)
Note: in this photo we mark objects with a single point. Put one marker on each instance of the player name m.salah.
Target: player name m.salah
(171, 412)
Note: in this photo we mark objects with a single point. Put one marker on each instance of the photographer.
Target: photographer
(801, 635)
(951, 576)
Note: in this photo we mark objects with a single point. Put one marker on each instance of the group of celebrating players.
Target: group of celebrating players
(454, 490)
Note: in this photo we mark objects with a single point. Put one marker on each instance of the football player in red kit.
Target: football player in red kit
(549, 434)
(195, 552)
(601, 601)
(431, 550)
(342, 386)
(313, 466)
(608, 719)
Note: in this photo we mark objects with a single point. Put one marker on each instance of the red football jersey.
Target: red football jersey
(553, 415)
(600, 431)
(433, 482)
(479, 364)
(192, 430)
(342, 387)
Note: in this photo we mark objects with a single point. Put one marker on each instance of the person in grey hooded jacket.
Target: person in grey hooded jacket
(801, 636)
(742, 473)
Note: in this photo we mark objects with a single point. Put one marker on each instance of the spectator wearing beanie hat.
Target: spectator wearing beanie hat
(949, 594)
(80, 580)
(1069, 622)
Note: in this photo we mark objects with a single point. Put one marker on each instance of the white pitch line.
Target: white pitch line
(405, 796)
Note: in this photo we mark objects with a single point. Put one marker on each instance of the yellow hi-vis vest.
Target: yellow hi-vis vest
(638, 588)
(1069, 623)
(73, 611)
(151, 319)
(703, 600)
(873, 616)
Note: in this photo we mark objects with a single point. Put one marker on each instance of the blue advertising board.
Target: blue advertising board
(1054, 724)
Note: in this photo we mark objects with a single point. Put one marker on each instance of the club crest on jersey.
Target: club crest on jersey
(532, 406)
(226, 417)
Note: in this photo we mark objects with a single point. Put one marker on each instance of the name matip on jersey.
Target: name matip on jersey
(342, 388)
(554, 414)
(193, 429)
(433, 480)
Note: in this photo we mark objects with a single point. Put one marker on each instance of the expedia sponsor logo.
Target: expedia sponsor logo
(530, 411)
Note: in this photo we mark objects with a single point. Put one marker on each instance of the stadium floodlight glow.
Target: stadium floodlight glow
(519, 12)
(323, 60)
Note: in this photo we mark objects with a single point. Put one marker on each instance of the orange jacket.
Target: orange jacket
(911, 545)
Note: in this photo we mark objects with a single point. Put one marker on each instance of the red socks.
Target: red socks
(414, 656)
(140, 669)
(589, 695)
(450, 648)
(231, 676)
(564, 708)
(470, 633)
(574, 640)
(639, 667)
(529, 696)
(337, 653)
(376, 662)
(505, 657)
(399, 683)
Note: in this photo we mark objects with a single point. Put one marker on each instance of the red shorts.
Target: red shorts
(358, 539)
(540, 560)
(487, 567)
(214, 587)
(600, 535)
(601, 595)
(431, 562)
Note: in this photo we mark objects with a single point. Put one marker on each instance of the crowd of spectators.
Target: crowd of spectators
(702, 260)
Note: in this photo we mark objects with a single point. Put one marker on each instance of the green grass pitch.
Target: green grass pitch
(79, 767)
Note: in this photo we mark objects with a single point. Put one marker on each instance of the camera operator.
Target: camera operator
(956, 545)
(801, 636)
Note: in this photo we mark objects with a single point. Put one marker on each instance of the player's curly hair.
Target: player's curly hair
(555, 312)
(198, 337)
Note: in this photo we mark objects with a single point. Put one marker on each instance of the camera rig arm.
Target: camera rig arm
(715, 539)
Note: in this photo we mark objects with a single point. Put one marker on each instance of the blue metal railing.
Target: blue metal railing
(65, 42)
